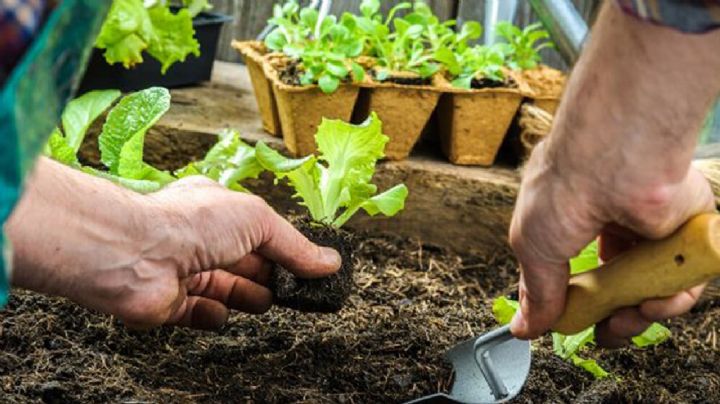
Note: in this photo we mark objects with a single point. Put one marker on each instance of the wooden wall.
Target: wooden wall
(251, 16)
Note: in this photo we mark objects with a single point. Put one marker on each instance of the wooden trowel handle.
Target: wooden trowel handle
(652, 269)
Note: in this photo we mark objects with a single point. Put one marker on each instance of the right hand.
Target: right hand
(560, 209)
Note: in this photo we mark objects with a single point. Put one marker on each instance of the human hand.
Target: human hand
(185, 255)
(616, 164)
(561, 209)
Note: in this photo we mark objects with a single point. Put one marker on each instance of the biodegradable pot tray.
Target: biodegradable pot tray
(545, 86)
(100, 75)
(302, 108)
(473, 123)
(253, 52)
(403, 109)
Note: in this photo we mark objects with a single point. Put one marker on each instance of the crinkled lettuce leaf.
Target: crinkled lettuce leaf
(174, 36)
(336, 184)
(130, 28)
(228, 162)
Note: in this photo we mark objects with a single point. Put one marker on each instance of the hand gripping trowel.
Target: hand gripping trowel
(493, 367)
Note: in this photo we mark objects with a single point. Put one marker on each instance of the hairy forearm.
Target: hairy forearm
(63, 215)
(635, 104)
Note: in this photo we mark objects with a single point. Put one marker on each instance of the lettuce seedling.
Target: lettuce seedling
(336, 184)
(228, 162)
(293, 27)
(131, 28)
(478, 62)
(122, 142)
(327, 60)
(523, 45)
(567, 347)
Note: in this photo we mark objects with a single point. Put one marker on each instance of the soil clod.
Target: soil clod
(324, 295)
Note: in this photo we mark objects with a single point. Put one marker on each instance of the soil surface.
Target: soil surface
(480, 83)
(324, 295)
(412, 302)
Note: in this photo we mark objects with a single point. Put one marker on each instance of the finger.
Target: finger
(253, 267)
(201, 313)
(681, 303)
(542, 298)
(285, 245)
(615, 240)
(235, 292)
(616, 331)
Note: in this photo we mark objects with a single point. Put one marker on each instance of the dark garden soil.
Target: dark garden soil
(411, 303)
(325, 295)
(480, 83)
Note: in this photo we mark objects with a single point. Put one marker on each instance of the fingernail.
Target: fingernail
(331, 258)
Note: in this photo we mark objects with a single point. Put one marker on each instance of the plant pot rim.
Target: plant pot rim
(250, 49)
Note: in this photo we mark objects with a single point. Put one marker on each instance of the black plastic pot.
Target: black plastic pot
(101, 75)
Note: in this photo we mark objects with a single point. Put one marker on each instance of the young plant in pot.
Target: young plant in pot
(480, 102)
(293, 27)
(333, 186)
(154, 43)
(312, 79)
(401, 90)
(523, 48)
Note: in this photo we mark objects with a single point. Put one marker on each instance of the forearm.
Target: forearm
(64, 215)
(635, 104)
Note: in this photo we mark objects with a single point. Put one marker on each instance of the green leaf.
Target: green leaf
(174, 36)
(131, 117)
(81, 112)
(328, 83)
(565, 346)
(358, 72)
(389, 203)
(141, 186)
(126, 32)
(471, 30)
(303, 175)
(587, 260)
(504, 309)
(655, 334)
(196, 7)
(590, 365)
(447, 57)
(59, 150)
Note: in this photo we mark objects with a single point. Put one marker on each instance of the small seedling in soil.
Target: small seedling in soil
(333, 187)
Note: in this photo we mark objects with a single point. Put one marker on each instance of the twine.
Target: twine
(535, 124)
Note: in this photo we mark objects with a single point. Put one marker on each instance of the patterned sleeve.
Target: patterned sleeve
(694, 16)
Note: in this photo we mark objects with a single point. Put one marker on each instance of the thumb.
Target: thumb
(285, 245)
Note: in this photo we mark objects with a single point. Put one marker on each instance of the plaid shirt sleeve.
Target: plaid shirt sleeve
(694, 16)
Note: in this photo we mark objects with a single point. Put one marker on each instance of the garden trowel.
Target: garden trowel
(493, 367)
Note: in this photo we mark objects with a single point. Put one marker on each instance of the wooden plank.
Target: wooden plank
(464, 208)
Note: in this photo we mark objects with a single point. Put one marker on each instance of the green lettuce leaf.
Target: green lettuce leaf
(566, 346)
(335, 185)
(504, 309)
(174, 36)
(126, 32)
(58, 149)
(228, 162)
(587, 260)
(590, 365)
(130, 120)
(196, 7)
(81, 112)
(655, 334)
(141, 186)
(303, 175)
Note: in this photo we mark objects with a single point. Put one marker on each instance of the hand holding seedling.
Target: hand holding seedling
(185, 255)
(617, 165)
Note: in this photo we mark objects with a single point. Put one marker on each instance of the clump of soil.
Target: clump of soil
(484, 82)
(412, 302)
(291, 73)
(324, 295)
(403, 78)
(544, 81)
